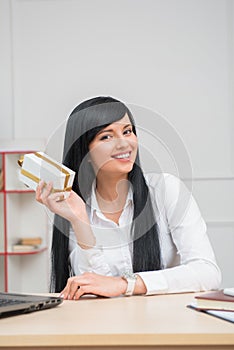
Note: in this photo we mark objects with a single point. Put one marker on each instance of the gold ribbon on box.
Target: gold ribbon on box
(37, 180)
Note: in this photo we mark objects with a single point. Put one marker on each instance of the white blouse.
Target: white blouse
(188, 259)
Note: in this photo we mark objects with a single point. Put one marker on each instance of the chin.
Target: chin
(125, 169)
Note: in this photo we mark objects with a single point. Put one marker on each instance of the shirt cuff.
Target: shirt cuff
(154, 281)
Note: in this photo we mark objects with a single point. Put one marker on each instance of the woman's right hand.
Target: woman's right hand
(72, 209)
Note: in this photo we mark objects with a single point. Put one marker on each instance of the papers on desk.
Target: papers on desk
(225, 315)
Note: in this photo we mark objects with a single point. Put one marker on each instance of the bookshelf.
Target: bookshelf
(21, 216)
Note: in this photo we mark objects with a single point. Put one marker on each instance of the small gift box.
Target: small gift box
(39, 166)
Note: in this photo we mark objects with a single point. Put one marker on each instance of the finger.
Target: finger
(60, 198)
(74, 284)
(81, 291)
(65, 292)
(41, 184)
(39, 191)
(46, 192)
(57, 196)
(74, 287)
(80, 282)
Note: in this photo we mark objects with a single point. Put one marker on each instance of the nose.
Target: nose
(121, 142)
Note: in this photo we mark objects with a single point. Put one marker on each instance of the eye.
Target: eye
(128, 131)
(105, 137)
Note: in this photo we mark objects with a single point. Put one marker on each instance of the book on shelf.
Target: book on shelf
(24, 247)
(1, 179)
(30, 241)
(26, 244)
(215, 300)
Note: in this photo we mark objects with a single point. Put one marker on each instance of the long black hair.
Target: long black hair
(85, 121)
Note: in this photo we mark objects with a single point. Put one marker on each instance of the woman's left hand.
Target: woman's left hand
(92, 283)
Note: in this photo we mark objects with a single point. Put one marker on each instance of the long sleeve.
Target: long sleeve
(111, 255)
(197, 269)
(83, 260)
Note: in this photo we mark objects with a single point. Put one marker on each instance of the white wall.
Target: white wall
(170, 56)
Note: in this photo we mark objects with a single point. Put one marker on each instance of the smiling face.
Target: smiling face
(114, 148)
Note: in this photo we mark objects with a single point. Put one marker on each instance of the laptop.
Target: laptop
(16, 304)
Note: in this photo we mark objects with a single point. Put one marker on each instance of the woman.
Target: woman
(121, 232)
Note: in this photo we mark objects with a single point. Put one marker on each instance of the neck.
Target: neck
(112, 188)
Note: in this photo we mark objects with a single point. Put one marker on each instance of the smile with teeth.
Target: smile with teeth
(122, 156)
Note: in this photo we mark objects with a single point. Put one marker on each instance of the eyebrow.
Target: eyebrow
(110, 130)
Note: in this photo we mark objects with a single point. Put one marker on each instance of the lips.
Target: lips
(125, 155)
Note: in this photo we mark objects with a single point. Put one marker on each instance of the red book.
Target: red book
(216, 300)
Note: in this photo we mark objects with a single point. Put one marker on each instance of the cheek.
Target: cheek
(100, 154)
(134, 143)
